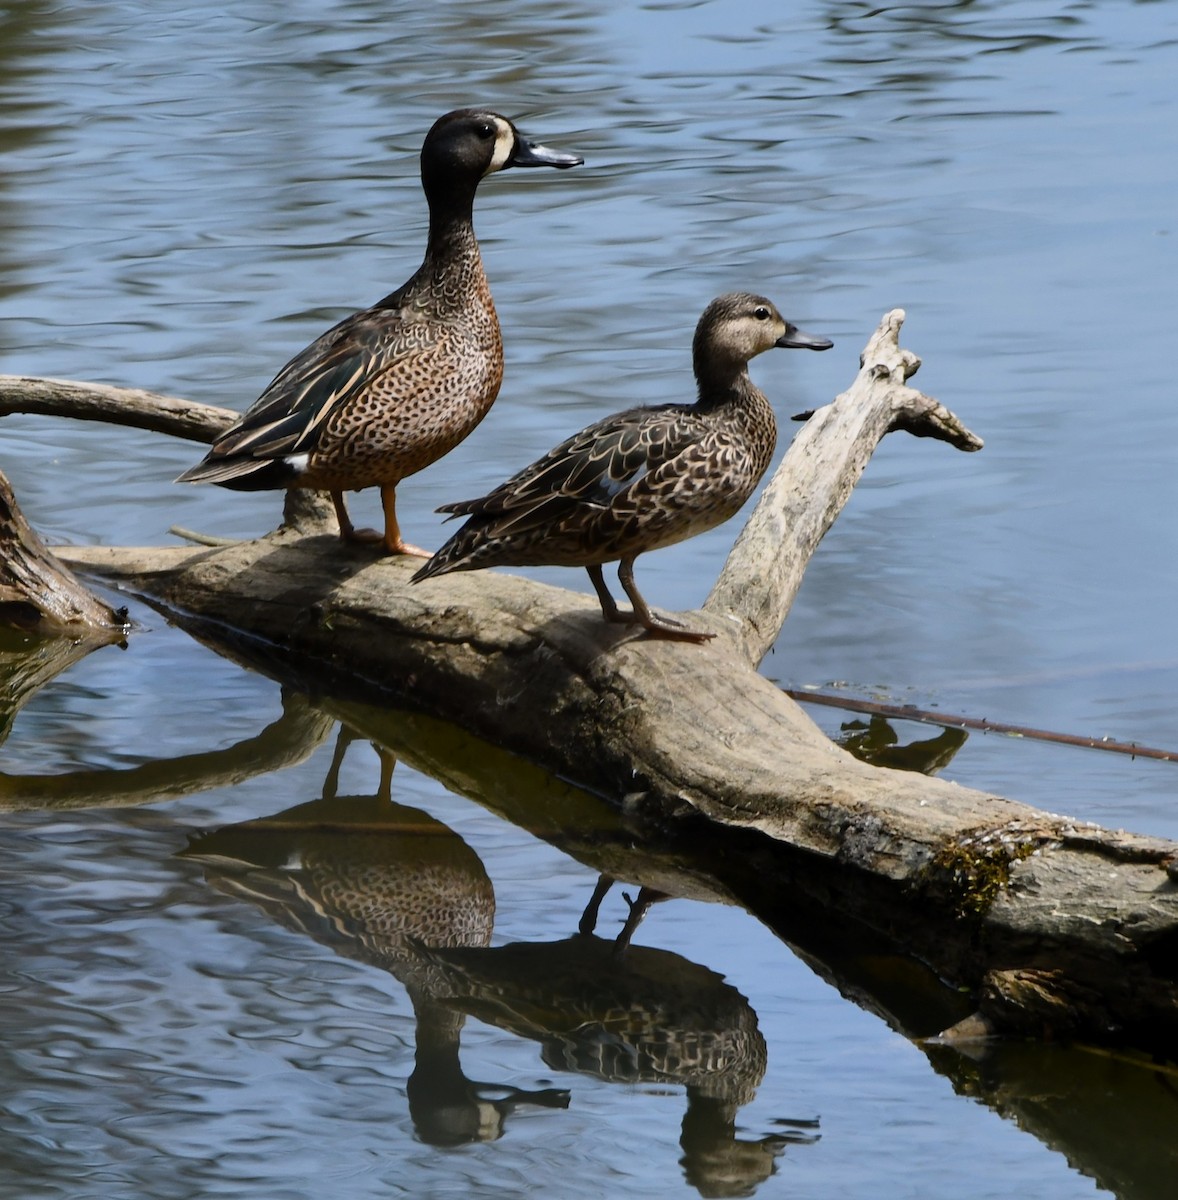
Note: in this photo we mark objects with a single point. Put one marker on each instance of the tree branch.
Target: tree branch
(113, 405)
(761, 577)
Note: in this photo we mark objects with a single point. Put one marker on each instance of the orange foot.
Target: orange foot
(373, 537)
(400, 547)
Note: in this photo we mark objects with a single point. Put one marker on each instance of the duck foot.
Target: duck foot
(638, 909)
(666, 628)
(373, 537)
(391, 540)
(673, 631)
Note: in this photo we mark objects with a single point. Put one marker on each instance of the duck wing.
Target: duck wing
(290, 415)
(591, 471)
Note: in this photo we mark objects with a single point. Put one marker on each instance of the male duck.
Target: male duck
(641, 479)
(391, 389)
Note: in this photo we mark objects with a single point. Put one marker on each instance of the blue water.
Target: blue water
(188, 198)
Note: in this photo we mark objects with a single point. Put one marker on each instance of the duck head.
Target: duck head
(470, 143)
(740, 325)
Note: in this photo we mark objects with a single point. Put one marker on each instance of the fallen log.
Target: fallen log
(38, 594)
(1053, 926)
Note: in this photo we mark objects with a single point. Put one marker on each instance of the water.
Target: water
(188, 198)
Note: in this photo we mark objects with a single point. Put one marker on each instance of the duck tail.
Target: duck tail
(453, 556)
(242, 474)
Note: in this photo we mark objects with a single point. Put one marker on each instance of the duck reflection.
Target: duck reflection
(645, 1017)
(389, 885)
(385, 884)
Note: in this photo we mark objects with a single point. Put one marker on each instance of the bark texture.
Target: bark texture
(38, 594)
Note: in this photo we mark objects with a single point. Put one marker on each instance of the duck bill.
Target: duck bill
(796, 339)
(532, 154)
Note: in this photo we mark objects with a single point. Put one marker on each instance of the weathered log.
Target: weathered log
(38, 594)
(1053, 925)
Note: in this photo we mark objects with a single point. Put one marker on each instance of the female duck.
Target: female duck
(641, 479)
(391, 389)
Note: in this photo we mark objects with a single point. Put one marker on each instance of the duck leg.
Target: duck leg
(657, 627)
(588, 922)
(390, 539)
(347, 531)
(609, 607)
(393, 543)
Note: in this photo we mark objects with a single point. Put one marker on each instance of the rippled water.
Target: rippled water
(189, 198)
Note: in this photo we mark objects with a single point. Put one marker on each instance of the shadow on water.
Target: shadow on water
(391, 886)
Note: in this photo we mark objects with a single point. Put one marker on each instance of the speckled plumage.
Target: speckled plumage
(643, 478)
(391, 389)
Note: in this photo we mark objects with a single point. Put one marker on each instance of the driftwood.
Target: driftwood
(1052, 925)
(38, 594)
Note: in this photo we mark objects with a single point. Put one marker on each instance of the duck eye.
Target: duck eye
(485, 130)
(761, 313)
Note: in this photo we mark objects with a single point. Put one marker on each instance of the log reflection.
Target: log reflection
(1112, 1116)
(289, 739)
(27, 663)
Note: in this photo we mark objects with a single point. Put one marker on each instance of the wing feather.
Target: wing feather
(591, 470)
(290, 415)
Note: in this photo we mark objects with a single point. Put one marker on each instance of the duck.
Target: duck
(392, 388)
(640, 479)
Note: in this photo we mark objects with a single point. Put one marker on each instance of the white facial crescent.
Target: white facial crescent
(504, 144)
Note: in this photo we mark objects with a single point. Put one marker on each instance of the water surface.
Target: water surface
(188, 199)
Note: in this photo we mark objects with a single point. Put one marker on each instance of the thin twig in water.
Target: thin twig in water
(906, 712)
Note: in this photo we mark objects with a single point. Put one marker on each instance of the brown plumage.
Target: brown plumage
(641, 479)
(391, 389)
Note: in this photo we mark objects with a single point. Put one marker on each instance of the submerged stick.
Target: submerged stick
(906, 712)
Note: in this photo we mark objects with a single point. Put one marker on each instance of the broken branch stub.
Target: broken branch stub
(764, 571)
(40, 595)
